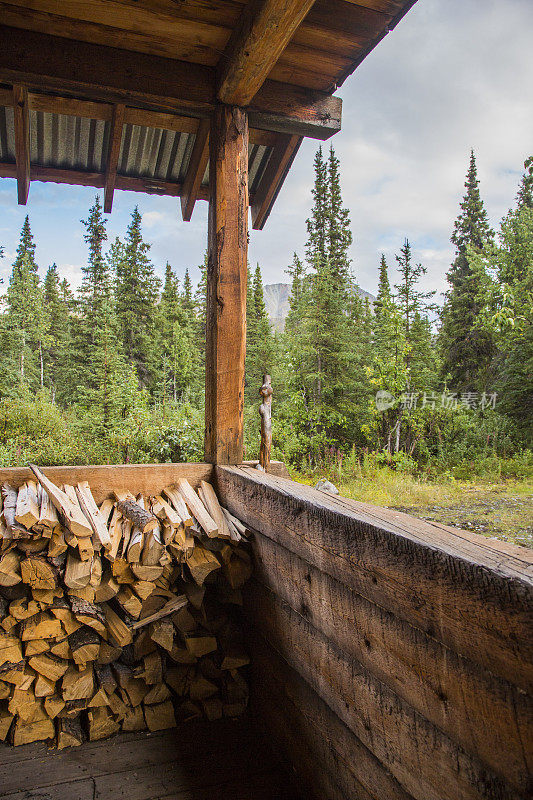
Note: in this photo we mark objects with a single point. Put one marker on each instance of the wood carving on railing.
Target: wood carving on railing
(265, 409)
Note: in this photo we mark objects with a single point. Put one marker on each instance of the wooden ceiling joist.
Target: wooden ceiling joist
(42, 62)
(264, 30)
(278, 165)
(22, 142)
(97, 180)
(115, 141)
(196, 170)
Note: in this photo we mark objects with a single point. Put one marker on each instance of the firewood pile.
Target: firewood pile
(122, 617)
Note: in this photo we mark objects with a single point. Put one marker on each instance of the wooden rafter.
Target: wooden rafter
(196, 170)
(265, 28)
(97, 179)
(115, 141)
(22, 142)
(101, 73)
(278, 165)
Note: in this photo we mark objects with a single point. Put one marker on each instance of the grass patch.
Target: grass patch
(502, 510)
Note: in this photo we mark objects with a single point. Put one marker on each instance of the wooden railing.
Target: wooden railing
(392, 658)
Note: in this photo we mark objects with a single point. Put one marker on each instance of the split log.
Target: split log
(53, 705)
(134, 720)
(202, 563)
(210, 500)
(197, 508)
(89, 614)
(107, 589)
(39, 573)
(169, 608)
(41, 626)
(78, 572)
(162, 632)
(84, 645)
(97, 520)
(78, 684)
(10, 568)
(159, 717)
(10, 649)
(72, 514)
(25, 733)
(49, 665)
(6, 718)
(69, 733)
(27, 509)
(129, 602)
(179, 504)
(147, 572)
(48, 518)
(101, 724)
(135, 545)
(116, 628)
(44, 687)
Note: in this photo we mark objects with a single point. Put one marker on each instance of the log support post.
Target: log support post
(226, 285)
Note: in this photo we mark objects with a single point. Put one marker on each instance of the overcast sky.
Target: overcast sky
(454, 74)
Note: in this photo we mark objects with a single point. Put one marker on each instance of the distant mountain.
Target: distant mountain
(277, 302)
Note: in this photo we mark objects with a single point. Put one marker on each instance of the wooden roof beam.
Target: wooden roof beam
(22, 142)
(44, 63)
(196, 171)
(113, 153)
(264, 30)
(97, 179)
(271, 182)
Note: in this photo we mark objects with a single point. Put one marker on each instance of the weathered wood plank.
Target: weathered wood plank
(278, 165)
(104, 479)
(484, 714)
(457, 587)
(226, 286)
(196, 170)
(329, 760)
(22, 142)
(115, 141)
(107, 74)
(264, 30)
(423, 760)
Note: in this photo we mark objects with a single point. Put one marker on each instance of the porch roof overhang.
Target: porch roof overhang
(117, 94)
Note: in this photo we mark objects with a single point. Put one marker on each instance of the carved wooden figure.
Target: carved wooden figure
(265, 409)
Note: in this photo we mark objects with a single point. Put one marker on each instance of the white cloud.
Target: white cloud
(452, 75)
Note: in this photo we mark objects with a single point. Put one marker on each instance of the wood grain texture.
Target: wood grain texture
(105, 479)
(276, 170)
(329, 759)
(262, 33)
(472, 595)
(426, 763)
(22, 142)
(115, 141)
(485, 715)
(196, 170)
(103, 73)
(226, 286)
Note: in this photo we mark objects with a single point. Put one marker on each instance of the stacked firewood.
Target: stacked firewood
(118, 617)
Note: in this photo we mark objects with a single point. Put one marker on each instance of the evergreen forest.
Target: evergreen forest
(113, 370)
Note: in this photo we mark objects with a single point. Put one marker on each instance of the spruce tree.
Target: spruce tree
(384, 290)
(339, 234)
(137, 291)
(410, 299)
(467, 348)
(176, 345)
(260, 342)
(57, 338)
(97, 360)
(26, 318)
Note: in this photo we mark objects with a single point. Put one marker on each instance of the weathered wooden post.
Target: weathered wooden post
(265, 409)
(226, 285)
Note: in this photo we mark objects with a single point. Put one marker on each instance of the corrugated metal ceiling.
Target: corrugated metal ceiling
(78, 143)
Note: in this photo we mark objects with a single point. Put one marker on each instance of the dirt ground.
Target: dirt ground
(495, 512)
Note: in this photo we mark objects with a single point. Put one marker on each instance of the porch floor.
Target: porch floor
(196, 761)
